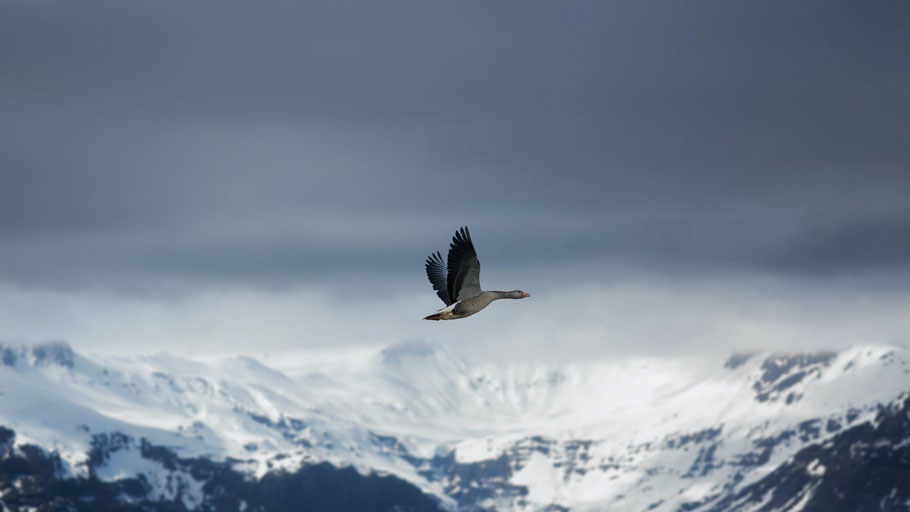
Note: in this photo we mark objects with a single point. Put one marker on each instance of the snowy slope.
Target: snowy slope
(634, 434)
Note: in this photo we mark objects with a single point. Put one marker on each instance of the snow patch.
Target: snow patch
(815, 469)
(164, 484)
(540, 477)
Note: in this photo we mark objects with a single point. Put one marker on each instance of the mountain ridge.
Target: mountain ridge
(633, 434)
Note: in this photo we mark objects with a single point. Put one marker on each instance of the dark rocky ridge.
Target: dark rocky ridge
(33, 479)
(782, 372)
(44, 354)
(863, 468)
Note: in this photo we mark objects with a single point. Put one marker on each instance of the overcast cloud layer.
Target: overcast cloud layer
(181, 162)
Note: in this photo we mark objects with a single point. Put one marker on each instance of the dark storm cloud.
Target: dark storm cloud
(882, 244)
(277, 142)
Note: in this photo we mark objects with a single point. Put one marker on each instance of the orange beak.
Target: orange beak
(523, 295)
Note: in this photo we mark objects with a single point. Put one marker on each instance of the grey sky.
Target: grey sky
(159, 149)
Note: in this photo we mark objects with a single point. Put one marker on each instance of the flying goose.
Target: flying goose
(460, 287)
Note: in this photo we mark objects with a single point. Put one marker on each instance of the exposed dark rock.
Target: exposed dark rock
(809, 430)
(7, 437)
(473, 482)
(290, 428)
(782, 372)
(53, 353)
(8, 356)
(704, 435)
(31, 478)
(863, 468)
(737, 360)
(704, 462)
(764, 448)
(778, 365)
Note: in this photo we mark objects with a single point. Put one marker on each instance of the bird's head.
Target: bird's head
(518, 294)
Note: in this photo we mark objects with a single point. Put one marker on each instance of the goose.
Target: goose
(459, 285)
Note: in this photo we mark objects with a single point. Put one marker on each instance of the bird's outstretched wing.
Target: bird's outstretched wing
(436, 273)
(464, 268)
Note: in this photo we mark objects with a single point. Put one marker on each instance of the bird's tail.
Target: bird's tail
(437, 316)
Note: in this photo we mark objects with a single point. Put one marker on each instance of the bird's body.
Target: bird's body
(458, 283)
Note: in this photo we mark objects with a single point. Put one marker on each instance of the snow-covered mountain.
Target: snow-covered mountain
(424, 430)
